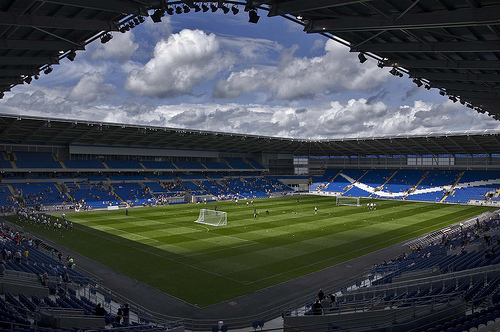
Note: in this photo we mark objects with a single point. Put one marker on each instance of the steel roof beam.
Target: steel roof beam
(19, 72)
(42, 45)
(27, 61)
(13, 80)
(13, 19)
(455, 77)
(463, 86)
(494, 104)
(300, 6)
(445, 64)
(107, 5)
(438, 19)
(466, 47)
(475, 94)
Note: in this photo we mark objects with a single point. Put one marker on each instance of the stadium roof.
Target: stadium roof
(16, 130)
(453, 45)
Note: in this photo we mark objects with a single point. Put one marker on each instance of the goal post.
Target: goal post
(212, 217)
(349, 201)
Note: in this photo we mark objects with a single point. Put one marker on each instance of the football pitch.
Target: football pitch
(203, 265)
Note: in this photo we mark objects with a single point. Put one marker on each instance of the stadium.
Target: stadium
(114, 226)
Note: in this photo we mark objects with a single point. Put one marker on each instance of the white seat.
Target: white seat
(482, 328)
(497, 324)
(490, 326)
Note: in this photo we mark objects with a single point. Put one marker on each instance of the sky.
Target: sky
(217, 72)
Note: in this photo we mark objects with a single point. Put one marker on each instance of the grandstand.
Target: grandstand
(448, 282)
(74, 175)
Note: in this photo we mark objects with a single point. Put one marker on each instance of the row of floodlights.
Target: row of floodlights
(455, 98)
(213, 7)
(130, 25)
(395, 72)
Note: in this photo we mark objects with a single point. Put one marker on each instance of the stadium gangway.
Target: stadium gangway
(411, 318)
(488, 272)
(451, 230)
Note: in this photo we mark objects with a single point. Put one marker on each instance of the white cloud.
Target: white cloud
(256, 49)
(178, 65)
(298, 78)
(91, 88)
(356, 118)
(120, 48)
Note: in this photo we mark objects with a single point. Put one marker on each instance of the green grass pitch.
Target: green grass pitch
(203, 265)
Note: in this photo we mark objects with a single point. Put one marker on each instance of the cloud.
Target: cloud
(179, 64)
(120, 48)
(189, 118)
(256, 49)
(411, 92)
(378, 96)
(304, 78)
(91, 88)
(355, 118)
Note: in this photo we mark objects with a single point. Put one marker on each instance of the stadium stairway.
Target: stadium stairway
(387, 181)
(453, 186)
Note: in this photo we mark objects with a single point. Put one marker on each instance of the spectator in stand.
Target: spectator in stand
(118, 317)
(317, 309)
(321, 295)
(325, 304)
(99, 310)
(126, 313)
(45, 278)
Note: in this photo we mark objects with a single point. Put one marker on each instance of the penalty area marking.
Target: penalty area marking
(208, 230)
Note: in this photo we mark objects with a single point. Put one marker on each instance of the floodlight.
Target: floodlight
(71, 55)
(213, 7)
(170, 11)
(380, 64)
(136, 21)
(2, 94)
(36, 77)
(122, 29)
(131, 24)
(204, 8)
(196, 8)
(106, 38)
(362, 58)
(453, 99)
(393, 71)
(156, 17)
(48, 70)
(253, 17)
(427, 87)
(178, 10)
(141, 19)
(235, 9)
(442, 93)
(186, 9)
(225, 9)
(418, 82)
(28, 79)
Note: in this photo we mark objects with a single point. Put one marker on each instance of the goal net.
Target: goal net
(212, 217)
(350, 201)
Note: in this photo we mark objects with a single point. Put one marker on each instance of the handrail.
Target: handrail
(427, 280)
